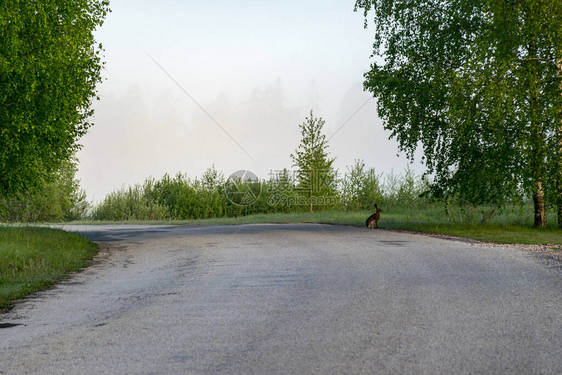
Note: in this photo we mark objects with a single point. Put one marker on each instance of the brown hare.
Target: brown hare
(374, 218)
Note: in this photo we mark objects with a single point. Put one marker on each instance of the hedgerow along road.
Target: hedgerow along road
(291, 299)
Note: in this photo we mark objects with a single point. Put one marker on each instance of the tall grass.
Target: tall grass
(504, 228)
(32, 259)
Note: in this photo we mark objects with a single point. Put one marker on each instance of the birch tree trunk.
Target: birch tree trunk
(537, 144)
(559, 133)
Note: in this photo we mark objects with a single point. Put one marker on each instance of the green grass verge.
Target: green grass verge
(32, 259)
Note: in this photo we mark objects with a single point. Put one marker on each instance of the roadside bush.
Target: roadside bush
(360, 188)
(405, 190)
(183, 198)
(129, 204)
(60, 199)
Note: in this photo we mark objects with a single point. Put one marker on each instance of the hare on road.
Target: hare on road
(374, 218)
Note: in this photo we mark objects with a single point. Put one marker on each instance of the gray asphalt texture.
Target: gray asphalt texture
(291, 299)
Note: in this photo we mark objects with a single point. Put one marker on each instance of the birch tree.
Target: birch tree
(476, 83)
(50, 65)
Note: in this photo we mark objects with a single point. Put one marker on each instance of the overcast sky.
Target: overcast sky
(254, 70)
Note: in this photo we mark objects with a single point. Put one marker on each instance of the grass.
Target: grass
(32, 259)
(511, 225)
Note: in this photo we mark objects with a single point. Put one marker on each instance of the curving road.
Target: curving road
(291, 299)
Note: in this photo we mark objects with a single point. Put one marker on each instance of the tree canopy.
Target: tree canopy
(476, 84)
(50, 65)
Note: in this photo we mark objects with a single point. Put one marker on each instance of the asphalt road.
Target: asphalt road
(291, 299)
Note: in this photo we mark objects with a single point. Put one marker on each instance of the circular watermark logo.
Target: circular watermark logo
(243, 188)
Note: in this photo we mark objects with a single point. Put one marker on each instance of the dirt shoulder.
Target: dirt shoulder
(550, 251)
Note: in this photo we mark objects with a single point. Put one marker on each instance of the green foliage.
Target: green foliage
(316, 176)
(183, 198)
(360, 187)
(49, 67)
(179, 198)
(281, 192)
(407, 190)
(59, 199)
(476, 84)
(187, 199)
(129, 204)
(403, 197)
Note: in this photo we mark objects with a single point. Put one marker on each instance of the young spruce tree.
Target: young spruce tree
(316, 175)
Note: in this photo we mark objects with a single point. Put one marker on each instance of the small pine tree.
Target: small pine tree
(316, 176)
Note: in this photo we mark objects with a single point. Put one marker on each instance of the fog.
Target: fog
(190, 84)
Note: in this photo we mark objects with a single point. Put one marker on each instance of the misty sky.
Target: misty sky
(256, 67)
